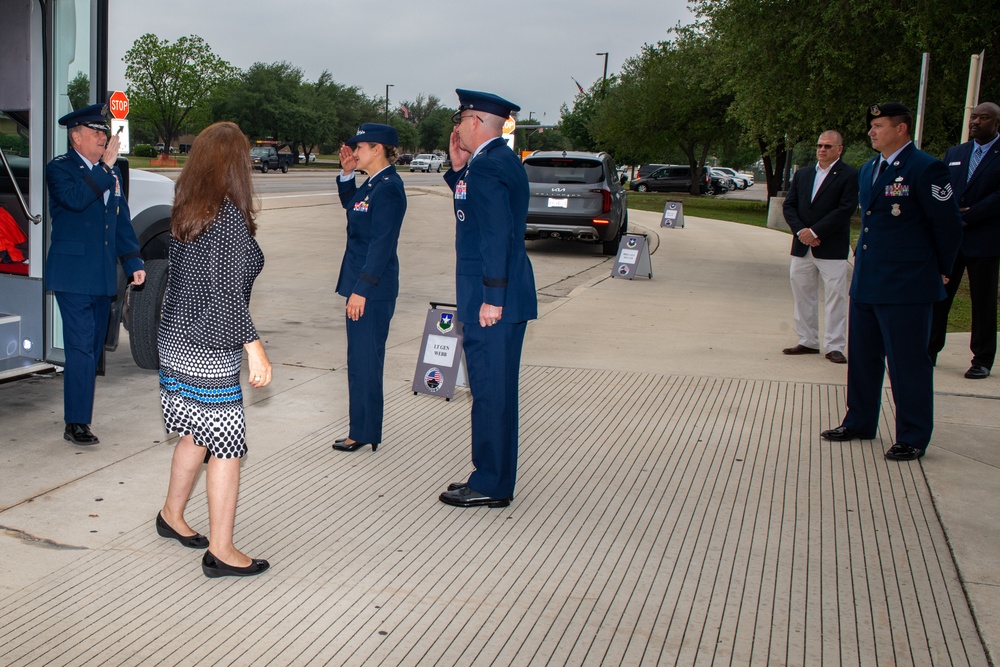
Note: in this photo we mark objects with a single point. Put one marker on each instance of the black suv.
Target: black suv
(576, 196)
(674, 178)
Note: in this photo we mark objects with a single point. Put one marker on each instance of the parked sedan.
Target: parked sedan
(576, 196)
(673, 178)
(740, 181)
(405, 158)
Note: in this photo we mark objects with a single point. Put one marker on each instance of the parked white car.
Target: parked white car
(426, 162)
(741, 181)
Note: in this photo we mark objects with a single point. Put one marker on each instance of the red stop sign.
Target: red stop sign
(118, 104)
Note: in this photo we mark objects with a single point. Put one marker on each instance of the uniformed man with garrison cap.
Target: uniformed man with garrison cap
(91, 231)
(911, 230)
(495, 288)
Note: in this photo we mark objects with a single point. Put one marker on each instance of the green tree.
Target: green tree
(575, 123)
(169, 84)
(435, 129)
(78, 91)
(420, 108)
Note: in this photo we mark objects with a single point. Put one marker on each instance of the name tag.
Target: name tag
(955, 164)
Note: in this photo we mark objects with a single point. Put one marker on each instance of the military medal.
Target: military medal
(461, 190)
(895, 210)
(361, 206)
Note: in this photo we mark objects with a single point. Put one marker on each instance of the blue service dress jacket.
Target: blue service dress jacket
(375, 210)
(981, 195)
(911, 230)
(88, 236)
(491, 209)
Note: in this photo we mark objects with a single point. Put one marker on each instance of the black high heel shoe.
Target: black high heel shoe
(196, 541)
(341, 445)
(213, 567)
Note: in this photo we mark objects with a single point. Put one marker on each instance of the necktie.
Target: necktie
(977, 155)
(881, 169)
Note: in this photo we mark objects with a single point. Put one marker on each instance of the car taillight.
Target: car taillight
(606, 204)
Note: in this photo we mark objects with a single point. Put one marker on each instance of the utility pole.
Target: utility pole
(387, 87)
(605, 79)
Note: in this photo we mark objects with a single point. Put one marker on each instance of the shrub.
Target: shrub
(144, 150)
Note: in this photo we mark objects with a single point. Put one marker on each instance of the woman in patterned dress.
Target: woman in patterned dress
(204, 330)
(369, 273)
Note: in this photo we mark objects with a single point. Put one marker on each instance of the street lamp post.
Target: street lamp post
(387, 87)
(605, 54)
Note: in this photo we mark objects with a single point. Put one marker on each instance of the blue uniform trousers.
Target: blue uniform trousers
(85, 327)
(365, 364)
(493, 356)
(893, 336)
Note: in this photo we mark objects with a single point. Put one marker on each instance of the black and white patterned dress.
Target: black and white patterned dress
(205, 322)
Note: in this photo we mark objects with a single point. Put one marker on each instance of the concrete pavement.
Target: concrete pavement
(640, 400)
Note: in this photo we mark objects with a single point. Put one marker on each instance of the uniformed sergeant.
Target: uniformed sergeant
(911, 232)
(495, 287)
(369, 273)
(91, 231)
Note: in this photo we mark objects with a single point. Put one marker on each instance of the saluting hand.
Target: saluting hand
(348, 162)
(111, 151)
(459, 156)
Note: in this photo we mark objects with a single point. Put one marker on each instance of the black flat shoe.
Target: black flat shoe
(196, 541)
(79, 434)
(843, 434)
(466, 497)
(341, 445)
(903, 452)
(213, 567)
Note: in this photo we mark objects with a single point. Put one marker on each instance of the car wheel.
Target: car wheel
(263, 167)
(642, 187)
(611, 247)
(144, 306)
(284, 168)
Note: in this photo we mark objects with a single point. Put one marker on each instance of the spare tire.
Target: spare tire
(143, 315)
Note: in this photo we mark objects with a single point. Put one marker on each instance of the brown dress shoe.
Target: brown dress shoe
(800, 349)
(836, 357)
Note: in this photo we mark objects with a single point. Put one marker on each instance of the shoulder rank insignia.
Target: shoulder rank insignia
(941, 193)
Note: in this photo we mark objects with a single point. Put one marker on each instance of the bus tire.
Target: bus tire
(144, 306)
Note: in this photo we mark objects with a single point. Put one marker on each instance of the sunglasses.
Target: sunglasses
(826, 146)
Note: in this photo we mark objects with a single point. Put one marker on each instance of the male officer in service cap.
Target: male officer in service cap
(91, 230)
(495, 286)
(975, 176)
(910, 235)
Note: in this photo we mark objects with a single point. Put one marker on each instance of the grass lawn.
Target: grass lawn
(755, 213)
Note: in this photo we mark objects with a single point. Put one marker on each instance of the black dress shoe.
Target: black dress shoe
(977, 372)
(341, 445)
(843, 434)
(837, 357)
(196, 541)
(79, 434)
(455, 486)
(213, 567)
(800, 349)
(903, 452)
(466, 497)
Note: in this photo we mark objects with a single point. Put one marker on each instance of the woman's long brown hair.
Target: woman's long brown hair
(218, 168)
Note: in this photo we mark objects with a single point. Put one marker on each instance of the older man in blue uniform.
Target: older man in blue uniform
(911, 232)
(495, 287)
(91, 231)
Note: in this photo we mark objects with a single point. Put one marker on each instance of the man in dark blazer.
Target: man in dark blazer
(910, 234)
(818, 208)
(91, 232)
(495, 288)
(975, 177)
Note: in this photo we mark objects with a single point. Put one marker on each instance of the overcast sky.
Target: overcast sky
(524, 50)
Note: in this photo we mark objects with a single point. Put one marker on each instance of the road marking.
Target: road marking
(311, 194)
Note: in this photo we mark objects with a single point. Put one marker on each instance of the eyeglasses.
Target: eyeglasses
(826, 146)
(457, 118)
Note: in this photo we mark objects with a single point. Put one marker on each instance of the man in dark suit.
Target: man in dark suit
(818, 208)
(91, 231)
(910, 235)
(975, 177)
(495, 289)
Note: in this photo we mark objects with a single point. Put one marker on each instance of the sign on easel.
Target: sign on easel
(633, 258)
(673, 215)
(441, 364)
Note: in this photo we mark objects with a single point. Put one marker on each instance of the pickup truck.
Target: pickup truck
(266, 157)
(426, 162)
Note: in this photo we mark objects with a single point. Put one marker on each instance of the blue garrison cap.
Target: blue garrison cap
(485, 102)
(375, 133)
(94, 116)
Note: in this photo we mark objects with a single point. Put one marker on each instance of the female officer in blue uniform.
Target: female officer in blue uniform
(369, 272)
